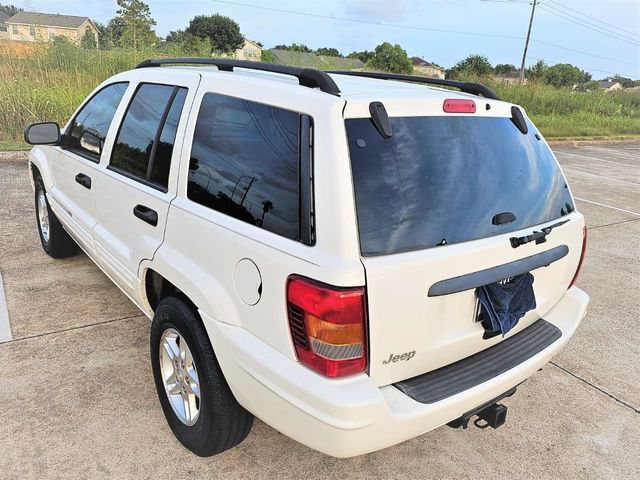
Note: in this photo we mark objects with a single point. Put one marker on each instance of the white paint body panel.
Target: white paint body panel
(198, 250)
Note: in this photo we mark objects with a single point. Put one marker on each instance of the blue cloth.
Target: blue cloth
(504, 303)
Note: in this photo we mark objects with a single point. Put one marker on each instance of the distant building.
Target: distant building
(427, 69)
(249, 51)
(34, 27)
(609, 85)
(3, 26)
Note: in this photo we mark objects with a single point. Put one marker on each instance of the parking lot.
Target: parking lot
(77, 398)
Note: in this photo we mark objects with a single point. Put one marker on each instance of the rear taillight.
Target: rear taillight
(458, 105)
(327, 326)
(584, 249)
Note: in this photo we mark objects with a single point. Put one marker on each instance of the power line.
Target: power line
(588, 25)
(411, 27)
(368, 22)
(593, 18)
(541, 42)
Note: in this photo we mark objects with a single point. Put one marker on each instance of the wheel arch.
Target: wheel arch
(39, 166)
(159, 278)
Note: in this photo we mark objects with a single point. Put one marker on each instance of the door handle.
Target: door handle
(146, 214)
(83, 180)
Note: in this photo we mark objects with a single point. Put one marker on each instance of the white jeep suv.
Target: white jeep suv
(311, 245)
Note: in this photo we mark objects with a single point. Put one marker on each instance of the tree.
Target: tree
(328, 52)
(390, 58)
(136, 23)
(180, 42)
(223, 32)
(537, 71)
(565, 75)
(477, 65)
(110, 34)
(10, 10)
(267, 56)
(363, 56)
(505, 68)
(294, 47)
(590, 86)
(88, 40)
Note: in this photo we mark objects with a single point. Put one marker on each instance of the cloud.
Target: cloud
(380, 10)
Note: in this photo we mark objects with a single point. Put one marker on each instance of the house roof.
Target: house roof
(47, 19)
(421, 62)
(3, 17)
(606, 84)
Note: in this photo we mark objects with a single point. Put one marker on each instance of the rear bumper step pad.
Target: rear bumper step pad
(464, 374)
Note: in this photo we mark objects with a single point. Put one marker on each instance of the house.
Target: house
(609, 85)
(249, 51)
(428, 69)
(3, 25)
(34, 27)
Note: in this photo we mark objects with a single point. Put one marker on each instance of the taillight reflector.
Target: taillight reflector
(327, 326)
(459, 105)
(584, 249)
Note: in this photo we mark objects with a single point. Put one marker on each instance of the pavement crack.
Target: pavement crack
(622, 402)
(70, 329)
(615, 223)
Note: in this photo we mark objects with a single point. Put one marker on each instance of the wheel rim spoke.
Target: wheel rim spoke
(43, 215)
(180, 376)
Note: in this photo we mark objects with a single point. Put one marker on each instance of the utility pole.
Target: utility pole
(526, 45)
(253, 179)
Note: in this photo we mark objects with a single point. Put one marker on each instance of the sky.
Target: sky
(600, 36)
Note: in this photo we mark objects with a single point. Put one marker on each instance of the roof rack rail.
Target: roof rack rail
(466, 87)
(307, 77)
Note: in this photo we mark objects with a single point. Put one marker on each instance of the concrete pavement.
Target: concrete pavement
(77, 398)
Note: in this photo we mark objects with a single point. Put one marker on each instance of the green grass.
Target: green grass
(563, 113)
(50, 82)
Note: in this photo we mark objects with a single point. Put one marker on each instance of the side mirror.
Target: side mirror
(45, 133)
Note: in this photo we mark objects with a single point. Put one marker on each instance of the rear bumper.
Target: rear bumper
(352, 416)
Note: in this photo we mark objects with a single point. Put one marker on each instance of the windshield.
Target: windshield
(441, 180)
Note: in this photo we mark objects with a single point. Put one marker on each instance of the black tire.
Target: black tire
(222, 423)
(58, 244)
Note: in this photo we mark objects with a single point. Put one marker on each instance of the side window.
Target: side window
(89, 128)
(144, 144)
(245, 163)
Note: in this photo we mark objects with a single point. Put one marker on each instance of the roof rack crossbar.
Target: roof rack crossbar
(307, 77)
(466, 87)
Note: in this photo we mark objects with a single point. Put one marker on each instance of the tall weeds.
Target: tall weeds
(48, 81)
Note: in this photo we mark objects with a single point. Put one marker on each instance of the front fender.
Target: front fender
(40, 158)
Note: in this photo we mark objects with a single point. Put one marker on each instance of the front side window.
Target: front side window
(245, 162)
(15, 29)
(88, 130)
(144, 145)
(32, 30)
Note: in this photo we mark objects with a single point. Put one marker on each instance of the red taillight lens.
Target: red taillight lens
(457, 105)
(584, 249)
(327, 326)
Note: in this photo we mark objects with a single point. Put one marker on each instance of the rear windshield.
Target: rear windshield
(441, 180)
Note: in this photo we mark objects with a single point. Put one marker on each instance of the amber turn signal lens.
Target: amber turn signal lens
(333, 333)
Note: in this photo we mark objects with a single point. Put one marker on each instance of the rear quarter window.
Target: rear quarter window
(440, 180)
(245, 163)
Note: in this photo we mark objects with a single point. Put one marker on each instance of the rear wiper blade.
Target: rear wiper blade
(537, 236)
